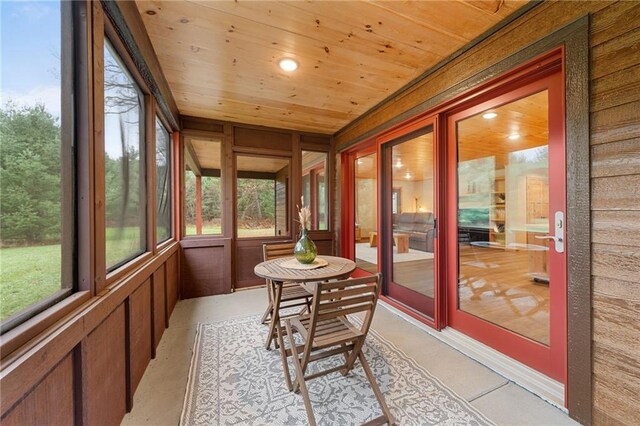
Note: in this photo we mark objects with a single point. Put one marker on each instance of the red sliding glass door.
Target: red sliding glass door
(506, 260)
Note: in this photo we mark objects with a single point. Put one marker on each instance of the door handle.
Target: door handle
(547, 237)
(558, 238)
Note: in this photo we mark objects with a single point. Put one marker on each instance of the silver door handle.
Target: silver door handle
(559, 233)
(547, 237)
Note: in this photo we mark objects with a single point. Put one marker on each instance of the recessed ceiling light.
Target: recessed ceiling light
(514, 136)
(489, 115)
(408, 175)
(288, 64)
(399, 164)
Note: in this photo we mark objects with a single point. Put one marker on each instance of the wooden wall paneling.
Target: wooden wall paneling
(615, 124)
(620, 227)
(264, 139)
(104, 375)
(205, 271)
(159, 311)
(201, 124)
(616, 158)
(616, 193)
(140, 335)
(172, 290)
(614, 20)
(51, 402)
(619, 53)
(248, 254)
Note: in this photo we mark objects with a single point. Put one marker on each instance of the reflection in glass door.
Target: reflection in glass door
(366, 212)
(510, 207)
(409, 243)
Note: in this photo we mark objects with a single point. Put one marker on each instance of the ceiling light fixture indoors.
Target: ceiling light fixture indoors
(489, 115)
(288, 64)
(399, 164)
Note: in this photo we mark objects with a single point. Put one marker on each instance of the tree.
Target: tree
(29, 175)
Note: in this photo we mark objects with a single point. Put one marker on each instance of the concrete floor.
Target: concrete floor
(159, 397)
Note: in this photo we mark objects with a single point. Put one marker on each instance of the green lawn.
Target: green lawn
(27, 275)
(242, 232)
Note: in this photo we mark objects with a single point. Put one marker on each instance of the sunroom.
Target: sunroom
(207, 205)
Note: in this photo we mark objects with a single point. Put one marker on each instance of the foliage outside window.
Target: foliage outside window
(262, 196)
(36, 173)
(124, 162)
(163, 183)
(203, 188)
(314, 187)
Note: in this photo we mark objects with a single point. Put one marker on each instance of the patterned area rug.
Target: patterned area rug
(235, 381)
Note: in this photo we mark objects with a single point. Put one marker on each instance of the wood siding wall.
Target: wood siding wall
(615, 174)
(85, 368)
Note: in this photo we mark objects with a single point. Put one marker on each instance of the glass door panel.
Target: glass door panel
(503, 211)
(409, 243)
(366, 212)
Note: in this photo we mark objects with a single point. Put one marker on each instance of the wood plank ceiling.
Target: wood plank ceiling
(221, 57)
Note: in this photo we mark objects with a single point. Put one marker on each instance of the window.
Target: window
(36, 164)
(124, 162)
(262, 196)
(315, 189)
(203, 187)
(163, 183)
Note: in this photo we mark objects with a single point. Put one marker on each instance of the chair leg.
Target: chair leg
(275, 317)
(267, 313)
(283, 355)
(300, 377)
(376, 389)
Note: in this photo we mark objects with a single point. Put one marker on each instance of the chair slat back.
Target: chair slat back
(340, 298)
(277, 250)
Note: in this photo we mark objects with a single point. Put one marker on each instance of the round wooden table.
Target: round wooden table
(275, 274)
(338, 267)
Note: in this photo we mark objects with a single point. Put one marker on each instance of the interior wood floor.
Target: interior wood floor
(494, 285)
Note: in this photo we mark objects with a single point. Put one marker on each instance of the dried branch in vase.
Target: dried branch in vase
(304, 215)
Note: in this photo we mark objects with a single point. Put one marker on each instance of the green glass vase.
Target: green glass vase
(305, 250)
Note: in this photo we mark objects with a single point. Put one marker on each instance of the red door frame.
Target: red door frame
(347, 190)
(550, 360)
(433, 308)
(530, 71)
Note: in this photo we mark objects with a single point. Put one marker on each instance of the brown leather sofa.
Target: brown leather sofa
(419, 226)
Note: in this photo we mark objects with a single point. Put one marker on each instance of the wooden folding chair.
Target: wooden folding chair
(327, 332)
(292, 294)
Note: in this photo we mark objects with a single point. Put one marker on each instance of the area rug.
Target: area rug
(370, 254)
(234, 381)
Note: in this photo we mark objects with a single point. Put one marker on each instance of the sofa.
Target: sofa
(419, 226)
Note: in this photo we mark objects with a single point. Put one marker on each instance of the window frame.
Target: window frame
(213, 137)
(289, 207)
(144, 136)
(115, 273)
(314, 202)
(72, 93)
(159, 119)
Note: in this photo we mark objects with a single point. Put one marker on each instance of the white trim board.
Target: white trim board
(545, 387)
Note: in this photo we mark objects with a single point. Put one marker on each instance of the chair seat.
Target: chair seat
(330, 332)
